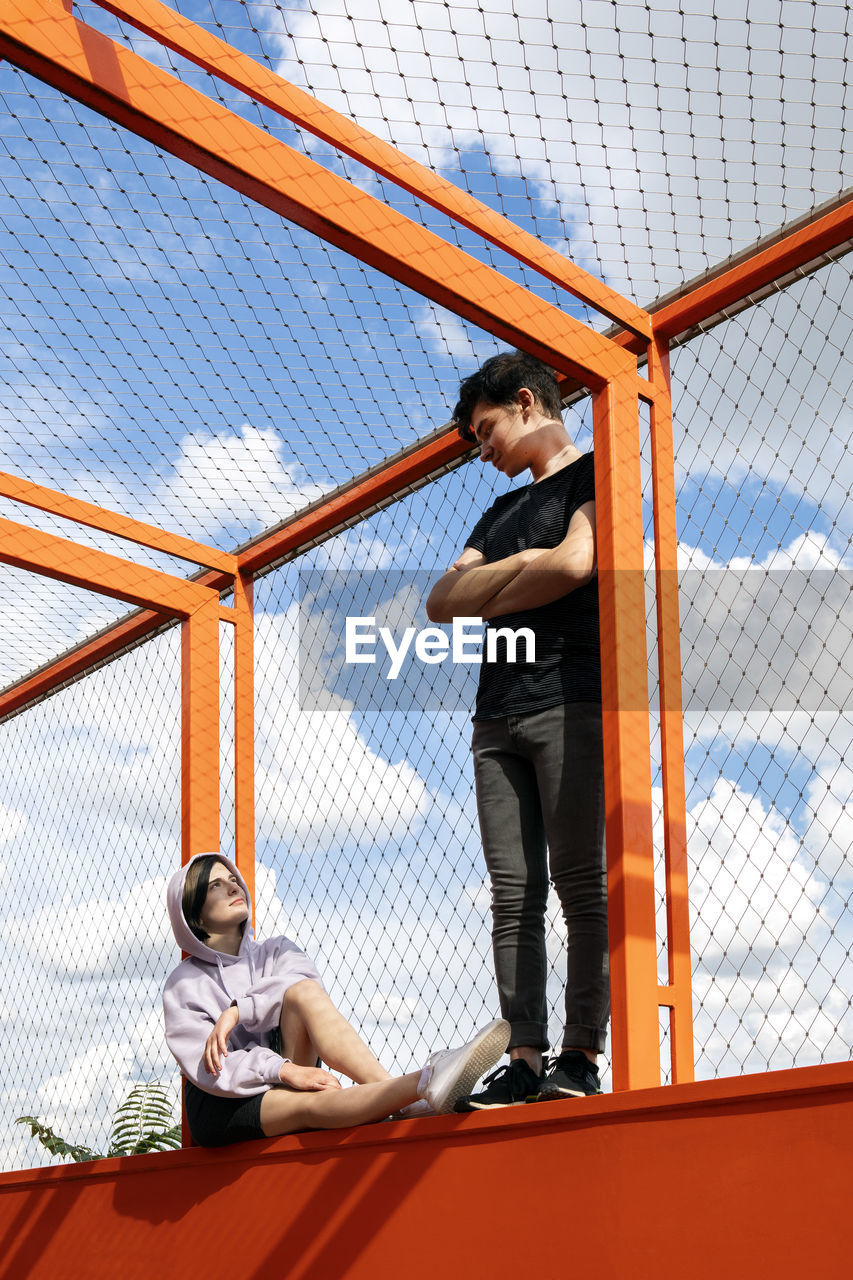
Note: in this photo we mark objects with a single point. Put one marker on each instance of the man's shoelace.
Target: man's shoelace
(501, 1071)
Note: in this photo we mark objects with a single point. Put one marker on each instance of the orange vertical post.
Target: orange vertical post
(679, 996)
(627, 745)
(200, 730)
(244, 729)
(199, 744)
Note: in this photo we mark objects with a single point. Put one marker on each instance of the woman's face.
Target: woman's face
(225, 905)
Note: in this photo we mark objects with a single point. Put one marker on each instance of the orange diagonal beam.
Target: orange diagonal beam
(393, 477)
(49, 43)
(44, 553)
(257, 81)
(95, 517)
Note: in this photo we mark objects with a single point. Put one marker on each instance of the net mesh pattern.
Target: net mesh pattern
(175, 352)
(91, 826)
(762, 412)
(648, 141)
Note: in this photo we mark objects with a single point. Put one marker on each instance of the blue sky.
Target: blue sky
(172, 351)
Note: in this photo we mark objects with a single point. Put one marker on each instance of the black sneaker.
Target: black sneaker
(509, 1086)
(571, 1075)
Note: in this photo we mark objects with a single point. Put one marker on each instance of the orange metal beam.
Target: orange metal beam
(83, 658)
(627, 747)
(793, 249)
(53, 557)
(200, 783)
(200, 730)
(679, 997)
(769, 261)
(213, 55)
(51, 44)
(199, 609)
(244, 732)
(385, 482)
(747, 1178)
(95, 517)
(390, 480)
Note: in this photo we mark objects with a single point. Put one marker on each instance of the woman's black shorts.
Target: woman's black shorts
(217, 1121)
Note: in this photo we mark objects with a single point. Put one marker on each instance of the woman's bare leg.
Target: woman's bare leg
(287, 1111)
(312, 1027)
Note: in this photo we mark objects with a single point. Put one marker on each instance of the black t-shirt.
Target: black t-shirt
(568, 665)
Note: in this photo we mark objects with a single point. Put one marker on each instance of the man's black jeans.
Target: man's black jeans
(540, 799)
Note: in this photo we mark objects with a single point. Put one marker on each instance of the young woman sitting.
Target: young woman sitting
(247, 1022)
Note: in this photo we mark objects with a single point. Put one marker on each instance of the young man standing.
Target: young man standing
(530, 562)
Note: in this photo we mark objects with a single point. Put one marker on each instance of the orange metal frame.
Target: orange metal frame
(199, 610)
(741, 1177)
(43, 38)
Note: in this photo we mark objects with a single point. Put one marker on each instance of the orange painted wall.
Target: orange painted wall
(745, 1177)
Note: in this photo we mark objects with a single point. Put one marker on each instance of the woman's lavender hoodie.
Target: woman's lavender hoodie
(208, 981)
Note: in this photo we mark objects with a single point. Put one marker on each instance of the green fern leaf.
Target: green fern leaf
(56, 1145)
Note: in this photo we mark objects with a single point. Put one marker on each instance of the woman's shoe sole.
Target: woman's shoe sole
(482, 1052)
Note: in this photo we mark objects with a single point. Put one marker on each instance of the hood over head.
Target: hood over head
(184, 935)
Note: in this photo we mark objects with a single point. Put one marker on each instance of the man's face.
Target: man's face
(501, 433)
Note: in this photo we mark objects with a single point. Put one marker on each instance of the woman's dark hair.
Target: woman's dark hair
(499, 381)
(195, 891)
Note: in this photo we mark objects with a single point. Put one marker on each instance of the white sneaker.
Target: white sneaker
(451, 1073)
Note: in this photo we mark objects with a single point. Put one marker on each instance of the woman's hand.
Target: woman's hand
(306, 1079)
(216, 1047)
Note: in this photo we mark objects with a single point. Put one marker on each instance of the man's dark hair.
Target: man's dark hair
(499, 381)
(196, 885)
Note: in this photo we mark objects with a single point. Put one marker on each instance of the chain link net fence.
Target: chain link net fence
(174, 352)
(91, 830)
(763, 431)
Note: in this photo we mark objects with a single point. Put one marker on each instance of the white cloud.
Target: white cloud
(760, 401)
(750, 892)
(231, 479)
(768, 1022)
(593, 110)
(810, 549)
(99, 1076)
(763, 645)
(218, 487)
(97, 768)
(100, 936)
(79, 1103)
(12, 824)
(319, 784)
(359, 549)
(150, 1056)
(215, 485)
(409, 976)
(270, 919)
(769, 936)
